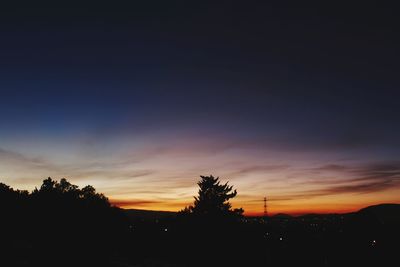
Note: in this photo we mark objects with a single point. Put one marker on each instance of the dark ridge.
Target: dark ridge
(384, 207)
(386, 210)
(387, 213)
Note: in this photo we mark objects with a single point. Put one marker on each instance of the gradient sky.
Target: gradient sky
(299, 104)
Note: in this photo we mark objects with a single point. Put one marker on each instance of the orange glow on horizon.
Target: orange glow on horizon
(290, 210)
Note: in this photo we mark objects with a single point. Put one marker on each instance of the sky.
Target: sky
(296, 103)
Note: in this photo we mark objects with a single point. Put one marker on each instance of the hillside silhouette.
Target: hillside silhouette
(60, 224)
(385, 213)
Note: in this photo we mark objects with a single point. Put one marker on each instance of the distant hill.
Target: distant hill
(147, 215)
(382, 208)
(385, 213)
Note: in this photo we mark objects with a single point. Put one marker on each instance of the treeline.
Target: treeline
(58, 224)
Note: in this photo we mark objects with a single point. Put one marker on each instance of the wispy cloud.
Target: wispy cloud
(12, 156)
(133, 202)
(260, 168)
(364, 178)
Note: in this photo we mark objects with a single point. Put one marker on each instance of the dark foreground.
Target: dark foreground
(365, 238)
(60, 225)
(359, 239)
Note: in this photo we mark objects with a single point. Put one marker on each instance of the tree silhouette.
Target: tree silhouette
(64, 221)
(70, 193)
(213, 199)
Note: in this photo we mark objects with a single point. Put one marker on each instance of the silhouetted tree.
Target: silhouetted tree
(211, 220)
(213, 199)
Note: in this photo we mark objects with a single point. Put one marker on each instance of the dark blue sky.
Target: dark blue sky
(281, 77)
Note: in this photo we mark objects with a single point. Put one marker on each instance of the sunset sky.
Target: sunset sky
(298, 104)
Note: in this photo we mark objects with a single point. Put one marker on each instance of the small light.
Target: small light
(280, 238)
(166, 230)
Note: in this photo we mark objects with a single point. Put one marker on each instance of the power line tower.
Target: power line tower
(265, 207)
